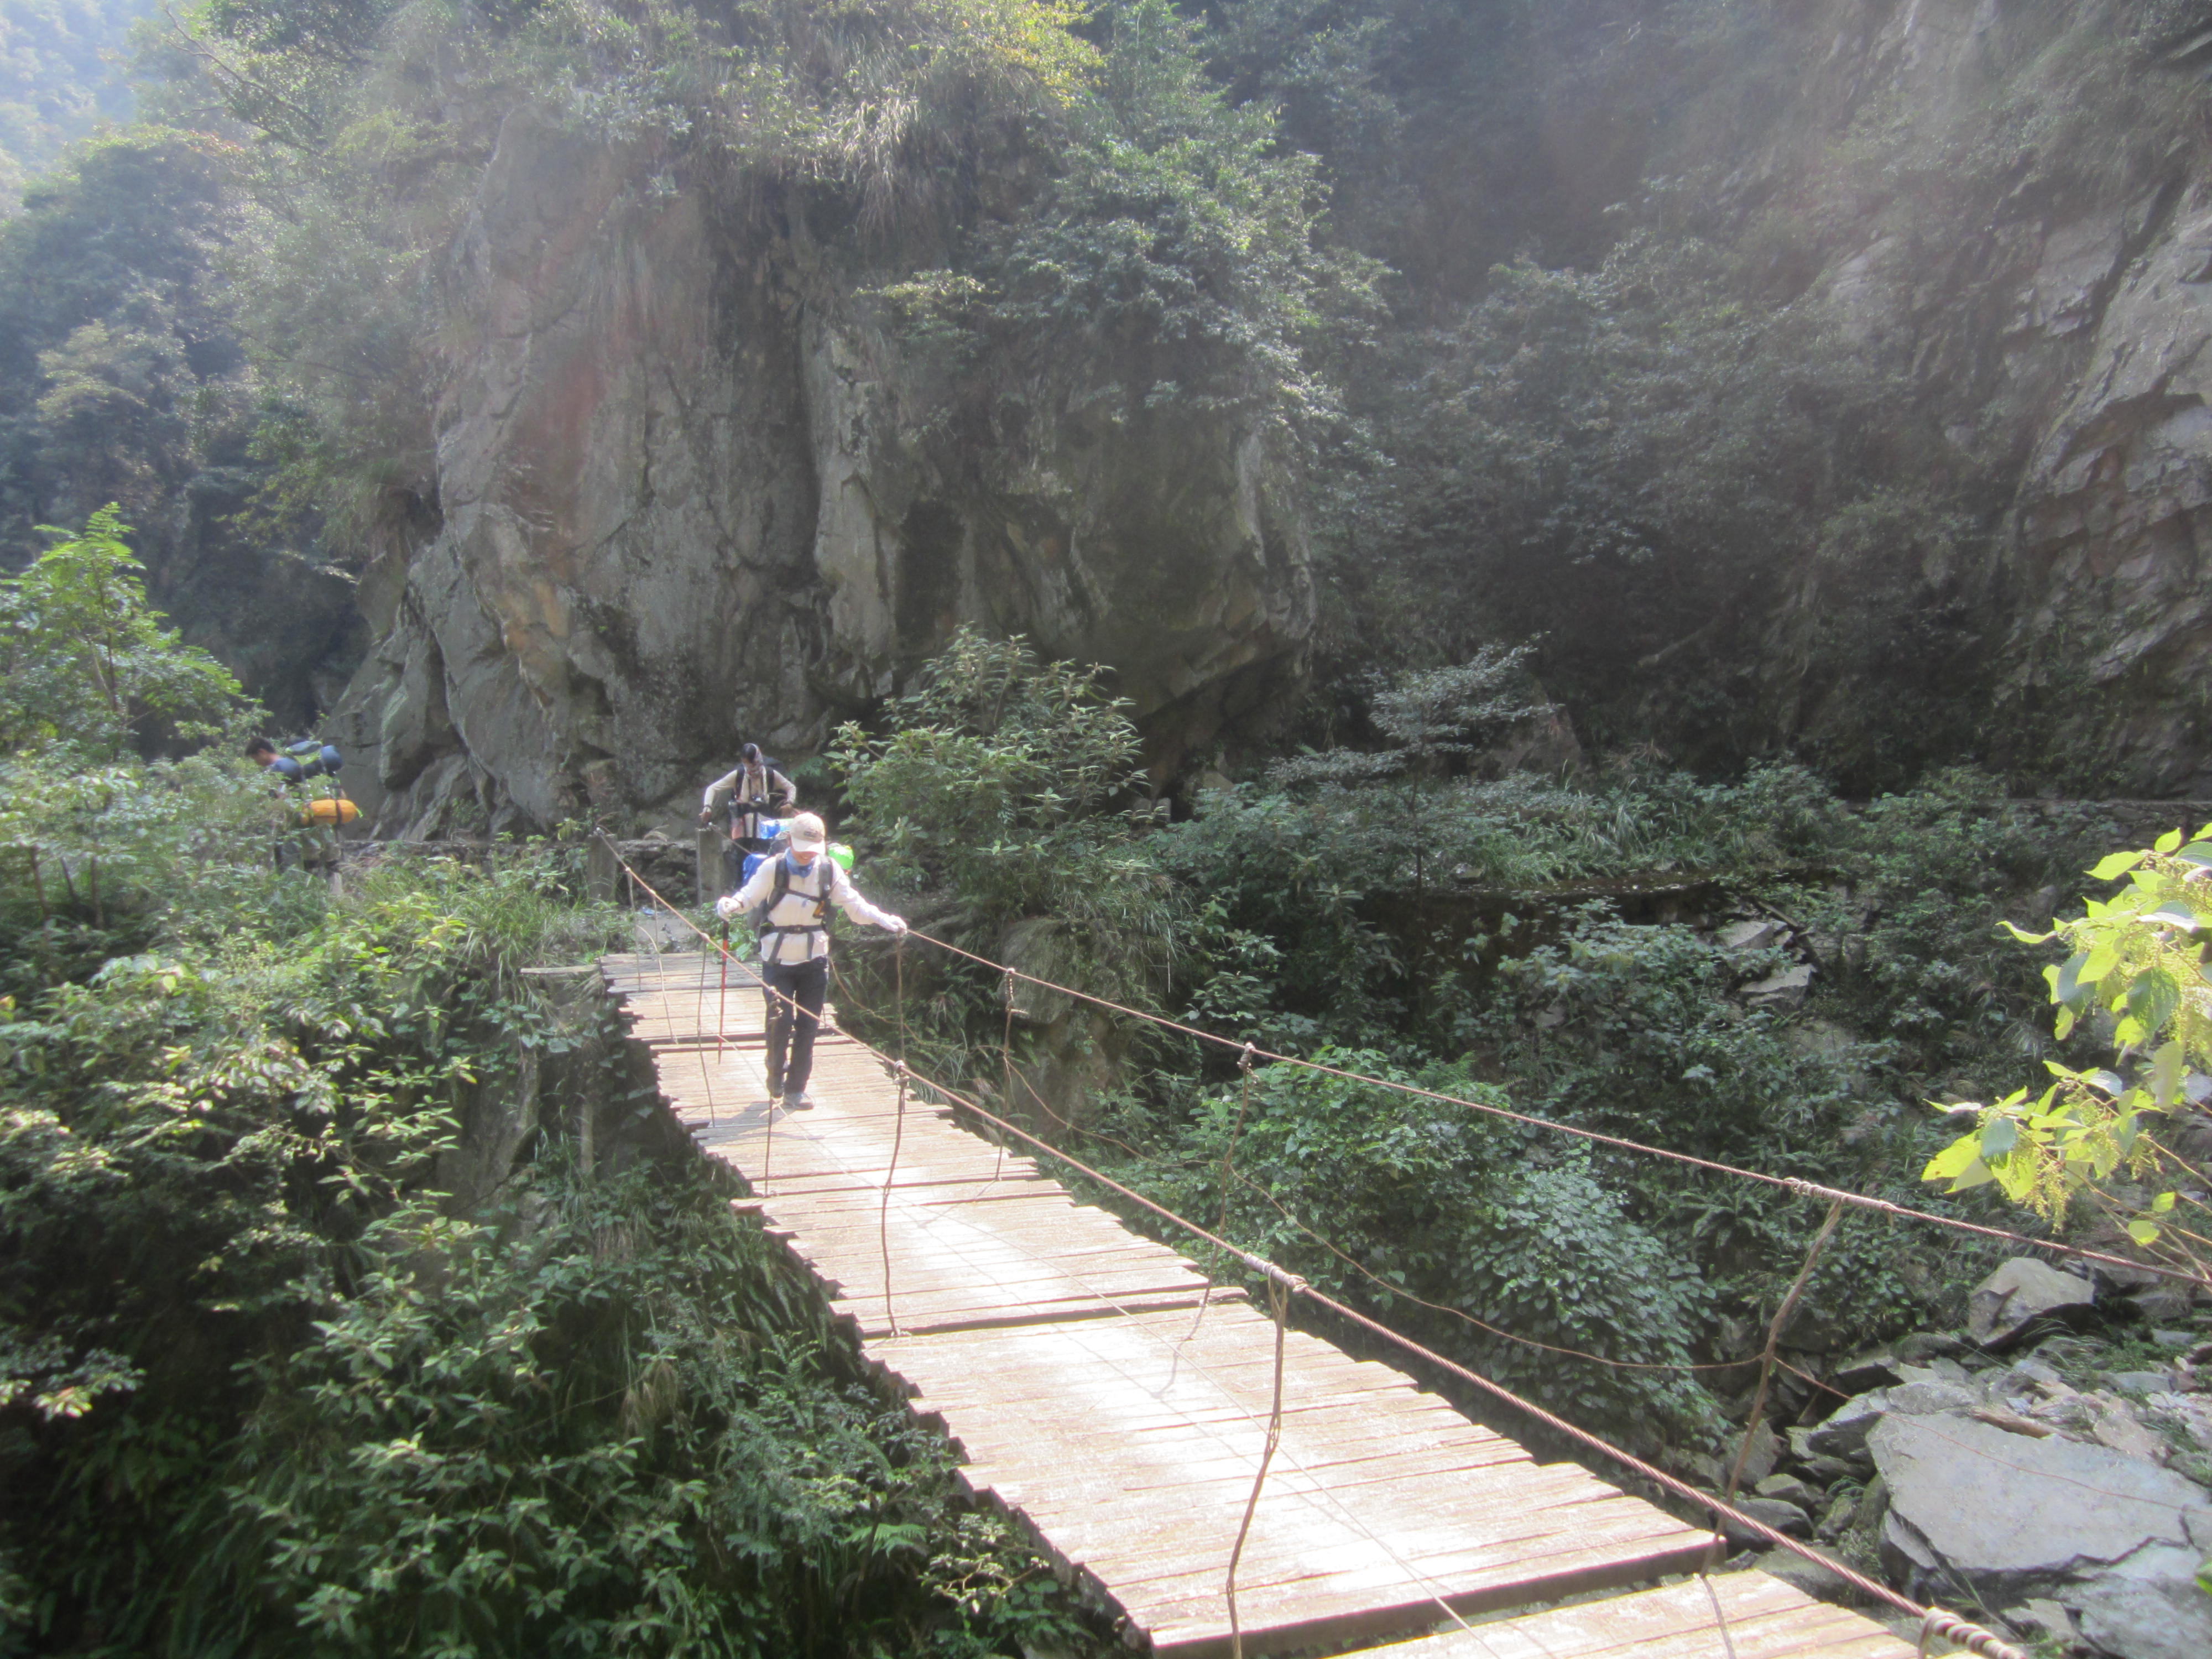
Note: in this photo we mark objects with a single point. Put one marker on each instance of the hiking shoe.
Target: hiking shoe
(804, 1103)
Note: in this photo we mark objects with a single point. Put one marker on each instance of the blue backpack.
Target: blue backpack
(308, 759)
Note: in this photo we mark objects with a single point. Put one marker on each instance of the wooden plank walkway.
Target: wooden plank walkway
(1099, 1393)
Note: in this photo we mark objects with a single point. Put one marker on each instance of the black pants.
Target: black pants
(804, 983)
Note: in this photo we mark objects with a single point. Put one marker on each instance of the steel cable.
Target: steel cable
(1953, 1628)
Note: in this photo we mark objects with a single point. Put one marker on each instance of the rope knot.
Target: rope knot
(1245, 1060)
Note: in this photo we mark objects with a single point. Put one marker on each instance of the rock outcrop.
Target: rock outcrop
(2114, 1538)
(2073, 1509)
(688, 496)
(2007, 208)
(692, 484)
(2011, 1300)
(2059, 320)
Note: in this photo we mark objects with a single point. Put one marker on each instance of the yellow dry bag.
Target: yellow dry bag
(328, 811)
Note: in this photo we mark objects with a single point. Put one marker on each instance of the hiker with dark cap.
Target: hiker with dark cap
(794, 892)
(312, 811)
(756, 790)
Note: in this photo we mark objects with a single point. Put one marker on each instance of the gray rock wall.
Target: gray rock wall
(681, 506)
(2054, 308)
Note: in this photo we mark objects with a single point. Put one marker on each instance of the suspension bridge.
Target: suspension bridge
(1219, 1481)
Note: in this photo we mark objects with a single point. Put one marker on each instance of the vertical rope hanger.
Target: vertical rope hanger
(1774, 1329)
(1228, 1180)
(722, 999)
(884, 1214)
(1006, 1089)
(898, 1136)
(1278, 1301)
(706, 1073)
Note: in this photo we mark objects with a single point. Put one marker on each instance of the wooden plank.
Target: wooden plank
(1097, 1387)
(1764, 1617)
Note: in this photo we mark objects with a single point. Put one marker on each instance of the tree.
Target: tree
(995, 798)
(996, 782)
(2138, 961)
(1432, 716)
(84, 658)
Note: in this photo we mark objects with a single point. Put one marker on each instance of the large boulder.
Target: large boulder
(2113, 1538)
(2019, 1294)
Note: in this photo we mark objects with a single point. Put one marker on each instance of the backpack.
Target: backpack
(739, 800)
(758, 915)
(315, 760)
(308, 758)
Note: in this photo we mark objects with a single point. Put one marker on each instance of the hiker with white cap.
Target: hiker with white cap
(792, 893)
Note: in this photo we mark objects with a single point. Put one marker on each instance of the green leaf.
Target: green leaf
(2143, 1232)
(2167, 1068)
(2154, 997)
(2016, 1177)
(2116, 864)
(2198, 853)
(1999, 1136)
(2174, 914)
(1960, 1164)
(2066, 985)
(2104, 956)
(2168, 842)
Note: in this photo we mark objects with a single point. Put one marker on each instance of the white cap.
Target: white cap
(807, 831)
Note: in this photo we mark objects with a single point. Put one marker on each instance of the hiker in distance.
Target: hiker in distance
(792, 894)
(756, 790)
(308, 822)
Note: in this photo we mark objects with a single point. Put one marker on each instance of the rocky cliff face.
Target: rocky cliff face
(695, 486)
(2012, 202)
(689, 494)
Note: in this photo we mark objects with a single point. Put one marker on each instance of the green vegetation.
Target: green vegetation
(59, 76)
(85, 663)
(2121, 1140)
(994, 794)
(123, 380)
(1532, 975)
(358, 1300)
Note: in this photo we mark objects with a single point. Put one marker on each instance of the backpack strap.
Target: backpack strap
(782, 889)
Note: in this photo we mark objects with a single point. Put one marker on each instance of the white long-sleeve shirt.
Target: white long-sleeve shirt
(808, 938)
(761, 782)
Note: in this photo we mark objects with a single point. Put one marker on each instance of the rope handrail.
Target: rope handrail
(1802, 1188)
(1985, 1643)
(1971, 1636)
(1399, 1292)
